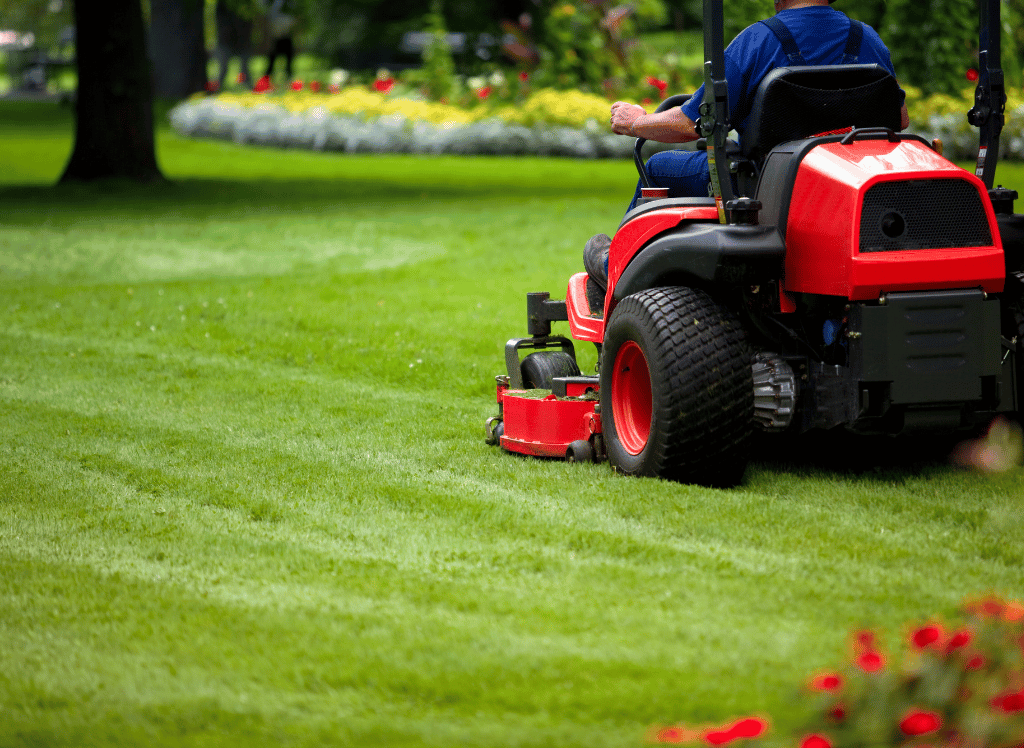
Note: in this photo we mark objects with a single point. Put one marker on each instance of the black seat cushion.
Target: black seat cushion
(798, 102)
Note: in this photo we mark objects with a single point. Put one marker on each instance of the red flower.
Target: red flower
(837, 713)
(917, 722)
(1014, 612)
(314, 86)
(960, 639)
(212, 86)
(383, 85)
(972, 75)
(523, 76)
(296, 85)
(334, 88)
(871, 662)
(975, 663)
(826, 682)
(927, 636)
(658, 84)
(751, 727)
(815, 741)
(262, 85)
(647, 102)
(483, 93)
(1009, 702)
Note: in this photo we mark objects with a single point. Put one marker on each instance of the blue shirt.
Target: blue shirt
(820, 32)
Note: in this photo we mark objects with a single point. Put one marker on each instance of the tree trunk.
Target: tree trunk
(178, 46)
(114, 107)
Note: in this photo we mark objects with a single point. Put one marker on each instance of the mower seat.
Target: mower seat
(793, 103)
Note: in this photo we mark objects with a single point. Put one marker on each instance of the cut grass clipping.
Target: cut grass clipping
(245, 495)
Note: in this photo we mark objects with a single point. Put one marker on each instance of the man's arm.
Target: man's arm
(670, 126)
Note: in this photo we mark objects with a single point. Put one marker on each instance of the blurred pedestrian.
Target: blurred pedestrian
(234, 39)
(281, 23)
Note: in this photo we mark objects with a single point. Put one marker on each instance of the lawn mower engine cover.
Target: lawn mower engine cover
(876, 216)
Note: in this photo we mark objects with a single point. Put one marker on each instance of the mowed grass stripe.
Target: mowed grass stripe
(244, 495)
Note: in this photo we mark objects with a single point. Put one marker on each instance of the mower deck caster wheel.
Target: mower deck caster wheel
(540, 369)
(494, 428)
(579, 451)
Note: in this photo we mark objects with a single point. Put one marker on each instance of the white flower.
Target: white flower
(338, 77)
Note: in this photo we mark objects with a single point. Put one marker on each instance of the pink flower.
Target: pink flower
(826, 682)
(927, 636)
(918, 722)
(815, 741)
(871, 662)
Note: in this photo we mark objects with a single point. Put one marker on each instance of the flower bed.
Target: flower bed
(957, 684)
(546, 123)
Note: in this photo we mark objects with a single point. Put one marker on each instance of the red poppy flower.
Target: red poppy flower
(383, 85)
(1009, 702)
(960, 639)
(826, 682)
(296, 85)
(262, 84)
(972, 74)
(483, 93)
(1014, 612)
(212, 86)
(314, 86)
(918, 722)
(871, 662)
(815, 741)
(926, 636)
(523, 76)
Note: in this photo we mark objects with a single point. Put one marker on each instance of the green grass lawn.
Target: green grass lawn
(245, 496)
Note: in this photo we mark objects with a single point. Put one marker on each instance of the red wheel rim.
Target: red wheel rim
(631, 398)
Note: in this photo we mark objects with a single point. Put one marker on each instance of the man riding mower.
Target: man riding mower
(841, 274)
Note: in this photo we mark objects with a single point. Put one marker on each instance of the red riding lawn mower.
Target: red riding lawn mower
(856, 280)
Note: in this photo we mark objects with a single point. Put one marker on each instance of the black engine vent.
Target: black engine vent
(923, 214)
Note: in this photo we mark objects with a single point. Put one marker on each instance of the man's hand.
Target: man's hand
(624, 116)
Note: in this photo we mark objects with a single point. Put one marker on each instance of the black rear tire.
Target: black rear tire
(539, 369)
(677, 393)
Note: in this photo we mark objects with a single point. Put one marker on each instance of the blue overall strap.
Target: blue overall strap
(852, 52)
(786, 40)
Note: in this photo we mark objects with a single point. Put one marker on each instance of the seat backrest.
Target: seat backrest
(792, 103)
